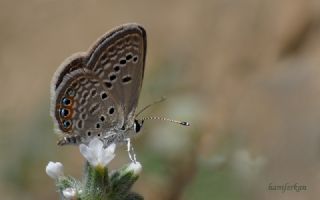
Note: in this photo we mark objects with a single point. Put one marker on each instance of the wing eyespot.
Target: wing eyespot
(70, 92)
(111, 110)
(108, 84)
(129, 57)
(102, 118)
(123, 62)
(112, 77)
(116, 68)
(66, 101)
(98, 125)
(135, 59)
(64, 112)
(103, 95)
(126, 79)
(67, 124)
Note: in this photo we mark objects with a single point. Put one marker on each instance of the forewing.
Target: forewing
(118, 58)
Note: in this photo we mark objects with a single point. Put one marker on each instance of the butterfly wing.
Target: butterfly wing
(119, 61)
(98, 91)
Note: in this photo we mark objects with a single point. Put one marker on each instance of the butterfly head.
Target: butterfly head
(137, 126)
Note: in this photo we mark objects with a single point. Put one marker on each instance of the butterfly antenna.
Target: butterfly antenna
(166, 119)
(151, 104)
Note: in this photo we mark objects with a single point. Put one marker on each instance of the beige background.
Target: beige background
(244, 73)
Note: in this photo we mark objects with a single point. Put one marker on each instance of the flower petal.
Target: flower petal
(96, 154)
(111, 148)
(95, 144)
(106, 158)
(54, 169)
(87, 153)
(69, 193)
(135, 167)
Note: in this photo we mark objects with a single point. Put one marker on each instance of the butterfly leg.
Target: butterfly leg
(130, 150)
(69, 140)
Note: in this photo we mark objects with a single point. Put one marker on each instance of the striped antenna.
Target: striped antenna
(166, 119)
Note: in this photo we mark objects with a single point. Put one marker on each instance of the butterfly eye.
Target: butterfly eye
(66, 101)
(66, 123)
(137, 126)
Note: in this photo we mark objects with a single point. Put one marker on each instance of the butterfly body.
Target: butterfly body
(95, 93)
(113, 135)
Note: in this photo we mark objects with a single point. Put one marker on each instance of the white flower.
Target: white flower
(96, 154)
(54, 169)
(69, 193)
(135, 167)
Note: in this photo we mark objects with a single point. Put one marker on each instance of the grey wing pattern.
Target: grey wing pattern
(97, 91)
(82, 107)
(118, 58)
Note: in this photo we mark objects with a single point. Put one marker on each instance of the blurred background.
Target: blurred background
(244, 73)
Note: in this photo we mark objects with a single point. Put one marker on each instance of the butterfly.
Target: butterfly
(95, 93)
